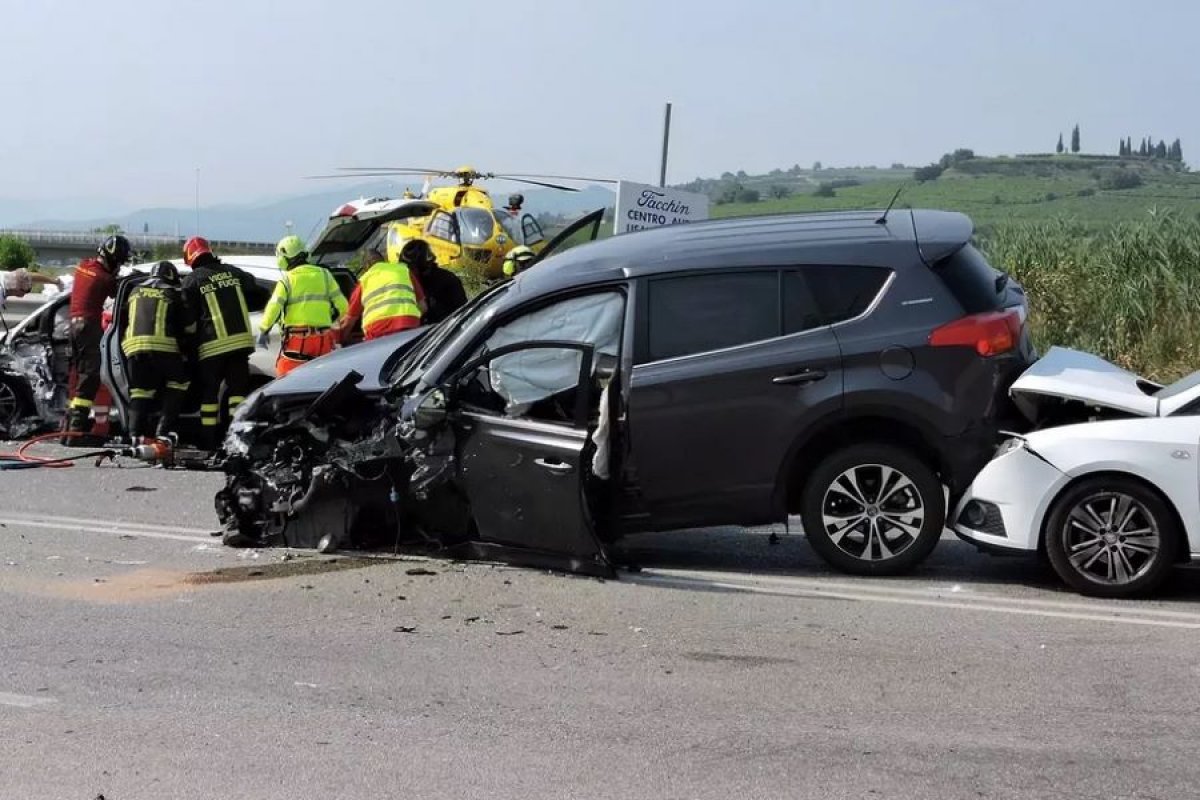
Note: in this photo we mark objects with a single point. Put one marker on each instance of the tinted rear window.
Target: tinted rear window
(699, 313)
(844, 292)
(972, 281)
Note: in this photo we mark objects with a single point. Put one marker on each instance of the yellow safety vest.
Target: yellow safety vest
(306, 296)
(387, 292)
(150, 329)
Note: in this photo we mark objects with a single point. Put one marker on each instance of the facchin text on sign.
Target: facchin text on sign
(640, 207)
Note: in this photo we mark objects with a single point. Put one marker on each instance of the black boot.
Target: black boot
(172, 402)
(79, 421)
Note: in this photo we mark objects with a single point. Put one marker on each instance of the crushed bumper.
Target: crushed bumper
(1005, 506)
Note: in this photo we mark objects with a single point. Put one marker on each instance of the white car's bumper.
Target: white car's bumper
(1005, 506)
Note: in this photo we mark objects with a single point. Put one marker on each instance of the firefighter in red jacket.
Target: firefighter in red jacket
(95, 281)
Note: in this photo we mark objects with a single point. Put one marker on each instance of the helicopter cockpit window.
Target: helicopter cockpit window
(510, 225)
(476, 225)
(442, 227)
(532, 230)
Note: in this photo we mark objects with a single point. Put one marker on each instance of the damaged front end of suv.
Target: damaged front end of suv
(450, 466)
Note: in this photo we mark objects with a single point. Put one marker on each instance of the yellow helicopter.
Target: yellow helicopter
(468, 229)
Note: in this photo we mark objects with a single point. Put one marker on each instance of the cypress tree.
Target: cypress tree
(1075, 139)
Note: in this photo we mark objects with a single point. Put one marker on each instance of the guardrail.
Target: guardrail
(140, 241)
(18, 308)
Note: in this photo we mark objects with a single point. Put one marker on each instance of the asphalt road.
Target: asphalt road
(142, 660)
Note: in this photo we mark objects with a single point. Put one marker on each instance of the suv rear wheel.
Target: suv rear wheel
(873, 509)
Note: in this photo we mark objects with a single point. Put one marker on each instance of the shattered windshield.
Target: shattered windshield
(410, 368)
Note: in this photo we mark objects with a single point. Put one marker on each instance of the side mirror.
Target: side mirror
(431, 411)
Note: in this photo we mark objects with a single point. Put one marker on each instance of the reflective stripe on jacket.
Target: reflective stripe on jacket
(153, 321)
(306, 296)
(229, 318)
(387, 292)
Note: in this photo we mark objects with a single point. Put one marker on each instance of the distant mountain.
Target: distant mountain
(308, 212)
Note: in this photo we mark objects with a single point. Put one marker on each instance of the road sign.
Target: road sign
(640, 206)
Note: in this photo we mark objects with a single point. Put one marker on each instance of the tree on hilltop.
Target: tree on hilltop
(1075, 139)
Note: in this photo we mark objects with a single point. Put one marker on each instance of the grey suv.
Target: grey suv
(844, 367)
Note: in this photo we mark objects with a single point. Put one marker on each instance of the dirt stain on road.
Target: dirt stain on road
(279, 569)
(155, 584)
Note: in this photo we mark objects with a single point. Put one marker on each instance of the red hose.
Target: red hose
(56, 463)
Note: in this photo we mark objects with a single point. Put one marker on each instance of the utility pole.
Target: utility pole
(662, 173)
(197, 232)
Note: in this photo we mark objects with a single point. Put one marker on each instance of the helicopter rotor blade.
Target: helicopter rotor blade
(414, 170)
(554, 177)
(537, 183)
(345, 175)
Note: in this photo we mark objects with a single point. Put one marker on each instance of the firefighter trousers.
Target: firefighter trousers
(232, 370)
(85, 360)
(156, 379)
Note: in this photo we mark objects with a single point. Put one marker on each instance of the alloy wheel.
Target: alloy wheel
(873, 512)
(10, 405)
(1111, 538)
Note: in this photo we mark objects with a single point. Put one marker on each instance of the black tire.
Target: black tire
(1113, 525)
(891, 537)
(14, 404)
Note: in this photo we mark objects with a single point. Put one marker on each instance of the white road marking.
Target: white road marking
(24, 700)
(962, 594)
(800, 587)
(110, 528)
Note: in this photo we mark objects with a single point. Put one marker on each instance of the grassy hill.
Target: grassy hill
(995, 191)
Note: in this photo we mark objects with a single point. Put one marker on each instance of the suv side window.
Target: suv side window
(841, 292)
(699, 313)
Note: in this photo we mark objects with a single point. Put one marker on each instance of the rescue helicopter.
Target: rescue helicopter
(467, 228)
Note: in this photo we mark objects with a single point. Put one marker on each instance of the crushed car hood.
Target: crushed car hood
(1074, 375)
(367, 358)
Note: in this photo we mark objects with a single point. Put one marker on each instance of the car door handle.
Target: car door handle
(557, 467)
(799, 378)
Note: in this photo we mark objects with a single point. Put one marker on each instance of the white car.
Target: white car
(1108, 486)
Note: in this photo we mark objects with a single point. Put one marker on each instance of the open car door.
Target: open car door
(585, 229)
(113, 370)
(521, 417)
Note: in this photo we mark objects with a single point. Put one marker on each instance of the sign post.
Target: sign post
(640, 206)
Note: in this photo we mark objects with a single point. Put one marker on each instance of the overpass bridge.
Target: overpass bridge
(69, 246)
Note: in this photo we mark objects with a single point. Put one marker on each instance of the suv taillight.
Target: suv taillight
(989, 334)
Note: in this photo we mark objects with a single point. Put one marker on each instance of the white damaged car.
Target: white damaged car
(1108, 483)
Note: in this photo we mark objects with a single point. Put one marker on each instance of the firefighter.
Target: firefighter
(387, 299)
(443, 290)
(518, 260)
(216, 294)
(95, 281)
(305, 303)
(157, 321)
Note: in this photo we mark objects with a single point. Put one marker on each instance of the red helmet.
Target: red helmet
(195, 247)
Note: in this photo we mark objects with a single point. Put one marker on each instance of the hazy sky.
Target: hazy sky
(124, 99)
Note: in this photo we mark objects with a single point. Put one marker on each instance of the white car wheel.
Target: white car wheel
(1112, 537)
